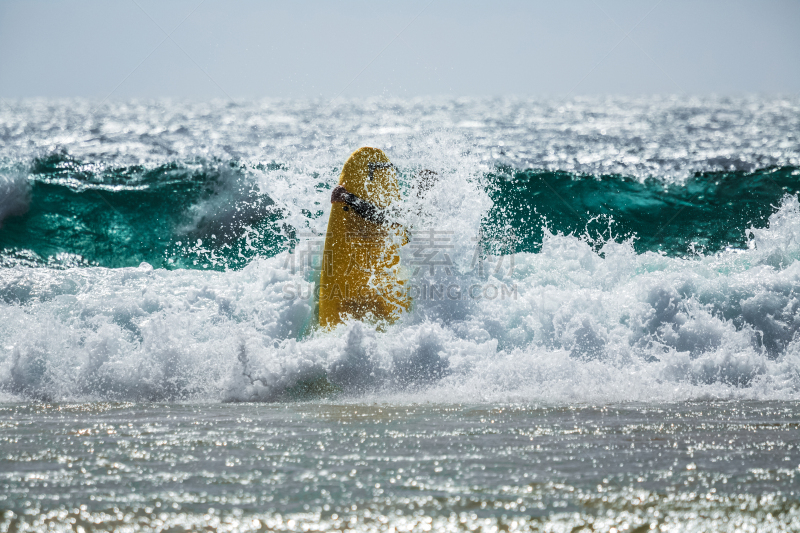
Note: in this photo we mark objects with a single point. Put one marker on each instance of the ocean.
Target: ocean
(605, 332)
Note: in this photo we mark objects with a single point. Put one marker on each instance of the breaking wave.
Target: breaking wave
(576, 321)
(642, 250)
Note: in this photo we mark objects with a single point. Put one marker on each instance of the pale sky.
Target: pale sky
(250, 49)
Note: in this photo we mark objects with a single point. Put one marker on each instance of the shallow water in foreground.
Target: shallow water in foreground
(692, 466)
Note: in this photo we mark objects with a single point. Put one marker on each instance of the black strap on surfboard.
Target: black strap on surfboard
(365, 209)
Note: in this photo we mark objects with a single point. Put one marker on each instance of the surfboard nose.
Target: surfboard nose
(370, 175)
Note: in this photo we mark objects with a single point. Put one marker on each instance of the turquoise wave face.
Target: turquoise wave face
(114, 217)
(125, 216)
(707, 213)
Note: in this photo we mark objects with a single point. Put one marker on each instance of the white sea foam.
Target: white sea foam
(581, 325)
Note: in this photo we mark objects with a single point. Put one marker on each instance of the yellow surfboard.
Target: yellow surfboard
(361, 261)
